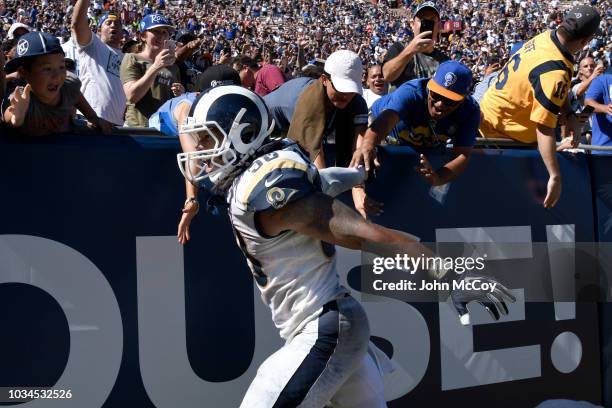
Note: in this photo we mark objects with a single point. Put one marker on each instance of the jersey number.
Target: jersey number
(258, 163)
(503, 76)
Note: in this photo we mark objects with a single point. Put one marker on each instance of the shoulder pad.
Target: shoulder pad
(276, 179)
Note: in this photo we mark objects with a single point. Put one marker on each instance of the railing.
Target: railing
(485, 142)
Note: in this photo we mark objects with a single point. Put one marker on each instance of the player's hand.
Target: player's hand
(420, 43)
(164, 59)
(366, 154)
(427, 171)
(189, 211)
(364, 204)
(177, 89)
(20, 102)
(494, 301)
(553, 192)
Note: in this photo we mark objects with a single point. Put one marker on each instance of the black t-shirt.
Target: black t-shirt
(419, 66)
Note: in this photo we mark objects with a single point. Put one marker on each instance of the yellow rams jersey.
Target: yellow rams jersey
(295, 273)
(530, 90)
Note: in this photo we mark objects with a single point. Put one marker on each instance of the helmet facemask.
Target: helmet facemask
(208, 160)
(228, 125)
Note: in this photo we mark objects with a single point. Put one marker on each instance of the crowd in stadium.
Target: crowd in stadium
(130, 57)
(276, 28)
(291, 34)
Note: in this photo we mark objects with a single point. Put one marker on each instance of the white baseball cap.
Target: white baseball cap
(346, 71)
(16, 26)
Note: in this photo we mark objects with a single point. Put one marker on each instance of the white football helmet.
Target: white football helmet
(228, 124)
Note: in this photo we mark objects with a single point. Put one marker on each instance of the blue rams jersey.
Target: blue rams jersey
(416, 128)
(295, 273)
(163, 120)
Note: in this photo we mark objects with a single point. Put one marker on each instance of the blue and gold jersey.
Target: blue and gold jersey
(417, 129)
(530, 90)
(295, 273)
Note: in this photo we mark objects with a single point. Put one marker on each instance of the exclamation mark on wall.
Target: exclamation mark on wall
(566, 349)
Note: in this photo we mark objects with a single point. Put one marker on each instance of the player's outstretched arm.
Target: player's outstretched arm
(329, 220)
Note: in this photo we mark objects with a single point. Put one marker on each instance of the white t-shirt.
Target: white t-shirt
(370, 97)
(71, 52)
(99, 67)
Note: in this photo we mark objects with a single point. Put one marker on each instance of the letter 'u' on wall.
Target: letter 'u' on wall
(167, 375)
(90, 306)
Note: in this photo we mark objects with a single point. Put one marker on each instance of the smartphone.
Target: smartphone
(170, 45)
(587, 110)
(428, 25)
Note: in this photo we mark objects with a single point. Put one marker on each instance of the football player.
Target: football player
(286, 222)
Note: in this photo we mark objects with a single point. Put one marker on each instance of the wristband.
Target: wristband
(192, 200)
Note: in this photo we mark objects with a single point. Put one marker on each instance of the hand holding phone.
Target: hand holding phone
(170, 45)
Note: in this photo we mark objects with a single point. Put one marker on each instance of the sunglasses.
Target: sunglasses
(445, 101)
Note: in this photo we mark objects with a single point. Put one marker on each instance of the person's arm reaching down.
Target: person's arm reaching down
(548, 150)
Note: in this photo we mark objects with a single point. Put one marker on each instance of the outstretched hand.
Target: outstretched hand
(20, 102)
(189, 211)
(427, 171)
(366, 154)
(484, 290)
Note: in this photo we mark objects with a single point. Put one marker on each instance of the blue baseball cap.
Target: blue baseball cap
(151, 21)
(31, 45)
(425, 5)
(108, 16)
(452, 80)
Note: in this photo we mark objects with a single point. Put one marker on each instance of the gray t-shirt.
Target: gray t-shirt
(133, 67)
(42, 119)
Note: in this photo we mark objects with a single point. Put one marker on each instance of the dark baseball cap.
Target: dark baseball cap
(582, 21)
(184, 36)
(32, 45)
(427, 5)
(217, 75)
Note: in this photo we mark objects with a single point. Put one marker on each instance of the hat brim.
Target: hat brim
(346, 85)
(157, 26)
(14, 64)
(440, 90)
